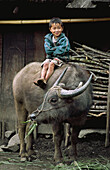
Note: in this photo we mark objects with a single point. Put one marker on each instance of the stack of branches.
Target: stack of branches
(96, 62)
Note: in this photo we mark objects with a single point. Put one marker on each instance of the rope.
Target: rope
(42, 106)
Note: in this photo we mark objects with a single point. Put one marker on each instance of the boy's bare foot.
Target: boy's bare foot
(41, 83)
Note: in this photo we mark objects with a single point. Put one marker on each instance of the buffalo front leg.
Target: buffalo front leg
(74, 140)
(29, 142)
(57, 138)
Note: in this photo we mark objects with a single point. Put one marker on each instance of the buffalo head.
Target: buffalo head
(61, 104)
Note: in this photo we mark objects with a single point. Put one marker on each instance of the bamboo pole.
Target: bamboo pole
(97, 115)
(88, 62)
(45, 21)
(108, 114)
(92, 49)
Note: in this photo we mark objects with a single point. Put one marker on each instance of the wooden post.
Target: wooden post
(108, 113)
(0, 129)
(3, 129)
(67, 134)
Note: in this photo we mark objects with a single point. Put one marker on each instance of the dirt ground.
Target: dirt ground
(91, 148)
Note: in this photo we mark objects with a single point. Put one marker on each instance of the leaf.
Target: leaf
(27, 121)
(30, 131)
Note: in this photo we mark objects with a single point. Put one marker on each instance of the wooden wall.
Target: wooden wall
(21, 45)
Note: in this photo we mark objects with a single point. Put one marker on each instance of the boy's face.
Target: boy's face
(56, 29)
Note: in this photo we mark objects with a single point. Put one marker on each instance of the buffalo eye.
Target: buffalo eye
(53, 100)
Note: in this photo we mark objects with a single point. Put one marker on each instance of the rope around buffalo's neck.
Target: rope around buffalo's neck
(42, 107)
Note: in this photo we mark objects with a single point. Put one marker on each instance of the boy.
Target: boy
(57, 48)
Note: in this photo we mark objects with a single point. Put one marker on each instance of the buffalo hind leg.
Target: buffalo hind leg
(57, 138)
(74, 140)
(22, 117)
(21, 130)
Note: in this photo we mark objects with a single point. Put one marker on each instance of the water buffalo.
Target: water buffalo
(66, 98)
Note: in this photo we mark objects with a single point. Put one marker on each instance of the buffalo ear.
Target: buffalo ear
(69, 100)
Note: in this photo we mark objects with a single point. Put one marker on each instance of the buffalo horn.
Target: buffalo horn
(60, 77)
(72, 93)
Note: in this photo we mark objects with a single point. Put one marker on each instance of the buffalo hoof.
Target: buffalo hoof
(75, 163)
(58, 161)
(23, 159)
(30, 152)
(30, 159)
(60, 164)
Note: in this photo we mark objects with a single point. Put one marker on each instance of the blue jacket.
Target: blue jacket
(60, 49)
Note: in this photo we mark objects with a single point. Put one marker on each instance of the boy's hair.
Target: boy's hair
(55, 20)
